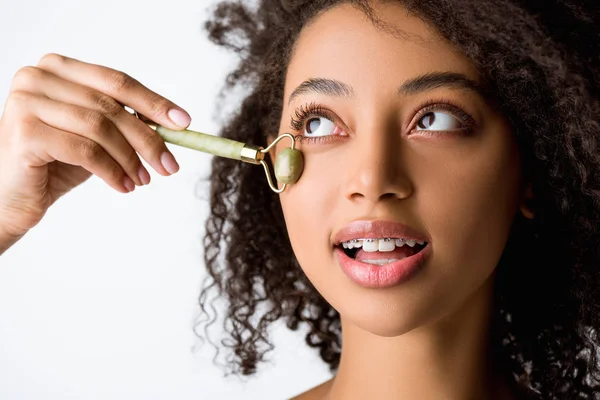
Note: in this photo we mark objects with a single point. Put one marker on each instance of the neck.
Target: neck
(449, 358)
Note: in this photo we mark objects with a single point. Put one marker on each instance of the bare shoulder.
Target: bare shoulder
(317, 393)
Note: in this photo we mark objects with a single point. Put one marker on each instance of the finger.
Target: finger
(120, 86)
(144, 140)
(48, 144)
(91, 125)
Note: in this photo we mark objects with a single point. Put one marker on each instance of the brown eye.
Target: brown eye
(438, 121)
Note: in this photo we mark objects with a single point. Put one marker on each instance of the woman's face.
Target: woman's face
(397, 130)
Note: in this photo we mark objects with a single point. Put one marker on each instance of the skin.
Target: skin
(63, 121)
(426, 338)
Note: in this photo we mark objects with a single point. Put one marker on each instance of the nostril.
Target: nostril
(388, 196)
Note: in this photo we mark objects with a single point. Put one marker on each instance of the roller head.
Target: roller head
(289, 166)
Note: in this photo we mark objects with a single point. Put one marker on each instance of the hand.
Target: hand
(65, 120)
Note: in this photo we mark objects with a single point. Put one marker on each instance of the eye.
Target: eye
(439, 121)
(319, 126)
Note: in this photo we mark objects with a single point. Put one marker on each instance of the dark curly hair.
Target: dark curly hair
(541, 61)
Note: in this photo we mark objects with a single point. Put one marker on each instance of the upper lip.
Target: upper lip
(376, 229)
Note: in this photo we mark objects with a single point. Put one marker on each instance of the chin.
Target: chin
(389, 330)
(385, 319)
(381, 325)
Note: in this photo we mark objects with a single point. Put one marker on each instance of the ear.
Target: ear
(526, 202)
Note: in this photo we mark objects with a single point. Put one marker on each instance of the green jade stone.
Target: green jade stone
(211, 144)
(289, 165)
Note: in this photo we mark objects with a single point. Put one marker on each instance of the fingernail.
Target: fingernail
(128, 183)
(144, 175)
(168, 161)
(179, 117)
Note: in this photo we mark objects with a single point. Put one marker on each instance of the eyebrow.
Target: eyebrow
(422, 83)
(435, 80)
(328, 87)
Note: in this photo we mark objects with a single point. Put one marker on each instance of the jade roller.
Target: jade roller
(288, 166)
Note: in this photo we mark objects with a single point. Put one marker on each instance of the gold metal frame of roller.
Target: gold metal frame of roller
(250, 154)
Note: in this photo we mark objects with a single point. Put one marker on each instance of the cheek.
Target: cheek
(471, 207)
(307, 208)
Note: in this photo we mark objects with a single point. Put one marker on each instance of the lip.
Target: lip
(377, 229)
(375, 276)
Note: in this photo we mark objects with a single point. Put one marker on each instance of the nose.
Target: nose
(377, 170)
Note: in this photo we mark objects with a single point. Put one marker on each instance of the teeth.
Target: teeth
(383, 245)
(387, 245)
(370, 245)
(352, 244)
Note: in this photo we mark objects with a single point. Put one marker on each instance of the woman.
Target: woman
(441, 242)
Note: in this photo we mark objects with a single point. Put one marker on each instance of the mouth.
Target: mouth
(381, 251)
(375, 242)
(378, 254)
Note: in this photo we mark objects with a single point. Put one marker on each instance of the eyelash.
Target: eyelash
(312, 110)
(306, 112)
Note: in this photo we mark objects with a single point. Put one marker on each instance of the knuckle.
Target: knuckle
(158, 105)
(115, 172)
(26, 77)
(133, 161)
(51, 59)
(98, 122)
(118, 81)
(23, 135)
(16, 102)
(22, 126)
(106, 104)
(151, 142)
(15, 99)
(89, 150)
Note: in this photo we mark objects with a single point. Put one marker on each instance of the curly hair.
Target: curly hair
(541, 61)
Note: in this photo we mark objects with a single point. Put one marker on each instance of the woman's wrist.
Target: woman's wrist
(7, 239)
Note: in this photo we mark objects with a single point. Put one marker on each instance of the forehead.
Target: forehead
(343, 43)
